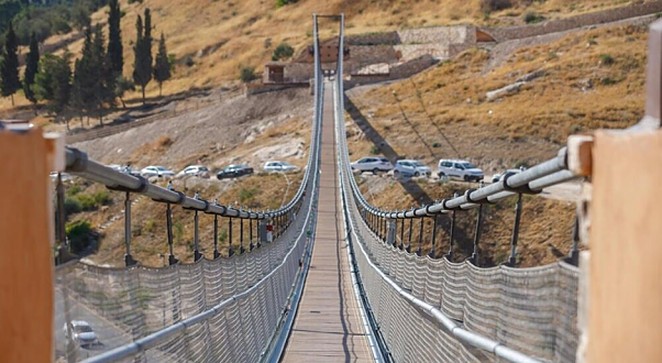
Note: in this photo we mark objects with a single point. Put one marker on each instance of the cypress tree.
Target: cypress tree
(162, 65)
(83, 78)
(115, 38)
(100, 63)
(142, 68)
(31, 69)
(9, 67)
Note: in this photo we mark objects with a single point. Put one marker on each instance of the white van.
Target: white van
(460, 169)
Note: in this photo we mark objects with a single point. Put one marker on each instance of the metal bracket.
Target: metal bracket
(179, 200)
(144, 183)
(467, 194)
(524, 189)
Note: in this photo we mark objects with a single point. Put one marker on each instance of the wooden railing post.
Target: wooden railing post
(26, 242)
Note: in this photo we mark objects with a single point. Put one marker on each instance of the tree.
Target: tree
(142, 67)
(104, 82)
(122, 85)
(85, 77)
(115, 38)
(94, 80)
(53, 81)
(162, 65)
(31, 69)
(9, 67)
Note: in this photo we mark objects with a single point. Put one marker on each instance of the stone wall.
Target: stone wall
(443, 35)
(386, 38)
(403, 70)
(362, 55)
(298, 72)
(554, 26)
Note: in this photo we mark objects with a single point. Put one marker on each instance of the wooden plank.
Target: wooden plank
(26, 261)
(625, 290)
(328, 326)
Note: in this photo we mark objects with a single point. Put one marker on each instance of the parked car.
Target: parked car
(496, 177)
(200, 171)
(234, 170)
(460, 169)
(411, 168)
(156, 171)
(372, 163)
(276, 166)
(81, 333)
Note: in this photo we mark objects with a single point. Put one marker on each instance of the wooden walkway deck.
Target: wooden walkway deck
(328, 326)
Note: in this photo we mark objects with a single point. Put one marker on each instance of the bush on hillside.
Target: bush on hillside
(80, 236)
(488, 6)
(280, 3)
(532, 17)
(247, 74)
(282, 51)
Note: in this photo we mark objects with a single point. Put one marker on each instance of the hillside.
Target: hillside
(588, 80)
(585, 80)
(211, 40)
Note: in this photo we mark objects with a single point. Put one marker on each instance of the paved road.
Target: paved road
(109, 335)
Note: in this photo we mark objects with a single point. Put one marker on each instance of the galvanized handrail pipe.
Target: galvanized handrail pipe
(78, 163)
(551, 172)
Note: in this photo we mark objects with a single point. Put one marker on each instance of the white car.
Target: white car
(156, 171)
(411, 168)
(276, 166)
(81, 333)
(460, 169)
(496, 177)
(200, 171)
(372, 163)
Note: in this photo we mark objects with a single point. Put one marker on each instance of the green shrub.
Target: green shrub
(374, 150)
(280, 3)
(608, 81)
(79, 234)
(72, 206)
(282, 51)
(532, 17)
(102, 198)
(73, 190)
(87, 202)
(606, 59)
(247, 74)
(488, 6)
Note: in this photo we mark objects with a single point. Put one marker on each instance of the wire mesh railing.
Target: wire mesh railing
(428, 308)
(222, 309)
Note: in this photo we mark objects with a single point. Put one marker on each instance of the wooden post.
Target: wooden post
(625, 288)
(622, 307)
(26, 245)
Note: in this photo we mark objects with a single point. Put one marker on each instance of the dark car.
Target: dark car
(233, 171)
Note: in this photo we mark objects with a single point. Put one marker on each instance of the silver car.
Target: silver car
(411, 168)
(156, 171)
(372, 163)
(81, 333)
(279, 166)
(200, 171)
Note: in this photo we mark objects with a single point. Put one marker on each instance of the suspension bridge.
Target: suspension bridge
(328, 277)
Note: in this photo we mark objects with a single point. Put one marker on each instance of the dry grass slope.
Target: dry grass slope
(220, 36)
